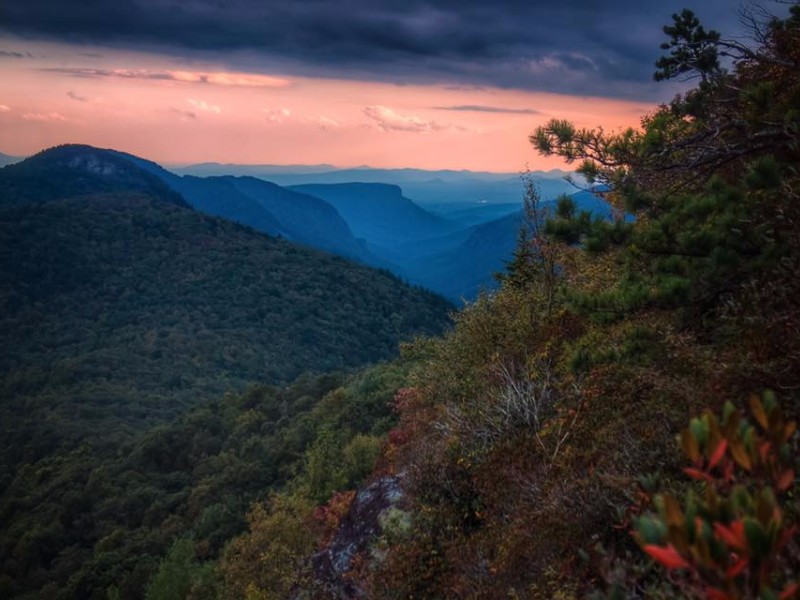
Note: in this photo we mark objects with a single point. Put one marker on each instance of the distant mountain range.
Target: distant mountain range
(455, 251)
(448, 231)
(297, 174)
(433, 228)
(425, 187)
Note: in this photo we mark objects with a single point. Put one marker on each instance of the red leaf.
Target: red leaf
(667, 557)
(733, 536)
(763, 450)
(719, 452)
(786, 479)
(697, 474)
(737, 567)
(790, 592)
(715, 594)
(785, 538)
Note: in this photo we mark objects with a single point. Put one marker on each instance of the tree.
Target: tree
(705, 174)
(180, 577)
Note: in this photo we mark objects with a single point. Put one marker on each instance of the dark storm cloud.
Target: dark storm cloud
(579, 47)
(120, 73)
(12, 54)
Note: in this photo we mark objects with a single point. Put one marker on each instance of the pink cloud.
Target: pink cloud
(327, 123)
(232, 79)
(389, 120)
(205, 106)
(49, 117)
(277, 116)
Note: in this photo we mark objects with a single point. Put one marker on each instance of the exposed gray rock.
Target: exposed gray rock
(358, 529)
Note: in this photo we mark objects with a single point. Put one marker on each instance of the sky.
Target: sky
(456, 84)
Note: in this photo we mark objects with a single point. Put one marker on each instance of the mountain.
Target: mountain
(474, 212)
(121, 307)
(444, 196)
(418, 240)
(266, 207)
(75, 170)
(127, 305)
(306, 219)
(454, 257)
(379, 212)
(408, 179)
(210, 169)
(295, 174)
(6, 159)
(464, 264)
(460, 273)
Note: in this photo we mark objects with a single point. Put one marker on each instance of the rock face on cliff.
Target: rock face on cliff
(361, 526)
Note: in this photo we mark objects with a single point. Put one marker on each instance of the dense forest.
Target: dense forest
(617, 420)
(122, 308)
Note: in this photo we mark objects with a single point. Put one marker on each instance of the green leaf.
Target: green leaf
(758, 542)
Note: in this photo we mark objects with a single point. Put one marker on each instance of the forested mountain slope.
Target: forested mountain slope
(121, 309)
(266, 207)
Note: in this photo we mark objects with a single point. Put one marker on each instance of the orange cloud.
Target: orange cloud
(230, 79)
(389, 120)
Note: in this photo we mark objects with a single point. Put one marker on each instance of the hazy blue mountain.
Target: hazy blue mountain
(467, 214)
(211, 169)
(219, 197)
(457, 231)
(460, 271)
(301, 174)
(443, 192)
(6, 159)
(268, 208)
(379, 213)
(306, 218)
(439, 195)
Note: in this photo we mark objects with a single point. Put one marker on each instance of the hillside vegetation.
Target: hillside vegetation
(120, 310)
(543, 430)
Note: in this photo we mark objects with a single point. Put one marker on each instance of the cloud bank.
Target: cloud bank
(580, 47)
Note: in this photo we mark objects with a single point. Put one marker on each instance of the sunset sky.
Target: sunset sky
(431, 84)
